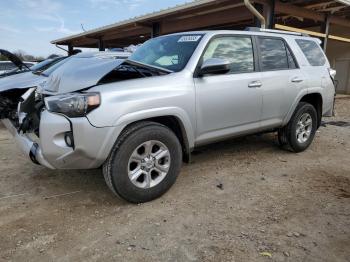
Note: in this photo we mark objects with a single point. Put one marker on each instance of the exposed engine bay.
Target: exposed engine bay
(8, 103)
(23, 107)
(24, 111)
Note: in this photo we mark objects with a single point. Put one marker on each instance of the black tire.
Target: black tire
(287, 135)
(115, 169)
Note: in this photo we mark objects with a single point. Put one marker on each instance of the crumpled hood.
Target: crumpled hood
(20, 81)
(79, 73)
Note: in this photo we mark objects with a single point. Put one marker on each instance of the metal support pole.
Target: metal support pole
(70, 50)
(270, 14)
(260, 9)
(326, 32)
(101, 46)
(155, 29)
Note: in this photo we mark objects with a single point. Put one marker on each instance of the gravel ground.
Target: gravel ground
(240, 200)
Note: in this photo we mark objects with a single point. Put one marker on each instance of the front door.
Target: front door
(230, 103)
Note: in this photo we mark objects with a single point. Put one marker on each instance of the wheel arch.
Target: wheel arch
(176, 119)
(174, 124)
(314, 98)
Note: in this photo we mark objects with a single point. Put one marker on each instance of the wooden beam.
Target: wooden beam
(205, 21)
(309, 14)
(132, 33)
(339, 21)
(312, 33)
(298, 11)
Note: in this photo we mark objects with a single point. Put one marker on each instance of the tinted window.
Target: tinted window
(273, 54)
(238, 50)
(312, 51)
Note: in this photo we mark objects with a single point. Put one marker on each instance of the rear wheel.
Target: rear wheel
(144, 163)
(300, 131)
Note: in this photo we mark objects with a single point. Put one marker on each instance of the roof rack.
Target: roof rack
(257, 29)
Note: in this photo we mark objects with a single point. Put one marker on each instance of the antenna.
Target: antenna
(82, 27)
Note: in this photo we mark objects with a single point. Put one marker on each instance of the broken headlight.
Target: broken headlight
(74, 104)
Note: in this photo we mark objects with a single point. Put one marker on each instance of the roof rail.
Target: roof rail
(257, 29)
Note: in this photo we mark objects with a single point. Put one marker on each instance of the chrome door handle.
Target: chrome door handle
(255, 84)
(297, 79)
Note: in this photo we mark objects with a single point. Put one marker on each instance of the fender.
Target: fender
(177, 112)
(130, 118)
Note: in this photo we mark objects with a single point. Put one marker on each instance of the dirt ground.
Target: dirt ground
(240, 200)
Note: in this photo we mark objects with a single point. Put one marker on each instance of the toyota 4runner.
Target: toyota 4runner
(141, 117)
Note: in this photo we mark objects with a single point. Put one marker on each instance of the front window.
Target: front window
(238, 50)
(168, 52)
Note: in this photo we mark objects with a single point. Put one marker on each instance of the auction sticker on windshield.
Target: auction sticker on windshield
(189, 38)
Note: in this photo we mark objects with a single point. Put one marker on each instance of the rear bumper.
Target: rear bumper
(90, 148)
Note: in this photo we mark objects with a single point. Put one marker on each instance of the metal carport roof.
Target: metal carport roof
(205, 14)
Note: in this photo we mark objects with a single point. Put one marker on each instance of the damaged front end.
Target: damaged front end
(24, 123)
(50, 122)
(53, 134)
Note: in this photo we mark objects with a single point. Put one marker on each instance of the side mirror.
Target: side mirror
(214, 66)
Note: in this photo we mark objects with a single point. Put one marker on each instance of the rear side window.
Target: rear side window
(312, 51)
(273, 54)
(238, 50)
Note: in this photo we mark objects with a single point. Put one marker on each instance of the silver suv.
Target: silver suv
(140, 118)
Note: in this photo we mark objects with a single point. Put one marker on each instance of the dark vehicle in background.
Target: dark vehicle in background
(28, 67)
(17, 81)
(12, 87)
(8, 66)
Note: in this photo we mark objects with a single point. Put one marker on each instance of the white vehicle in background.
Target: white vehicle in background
(7, 66)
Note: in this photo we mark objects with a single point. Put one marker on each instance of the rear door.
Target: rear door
(281, 79)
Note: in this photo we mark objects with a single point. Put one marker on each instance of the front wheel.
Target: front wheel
(144, 163)
(300, 131)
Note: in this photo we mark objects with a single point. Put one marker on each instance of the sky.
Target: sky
(30, 25)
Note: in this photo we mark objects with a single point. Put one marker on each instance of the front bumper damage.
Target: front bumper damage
(44, 140)
(28, 146)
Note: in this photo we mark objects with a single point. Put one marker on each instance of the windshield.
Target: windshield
(40, 65)
(53, 67)
(169, 52)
